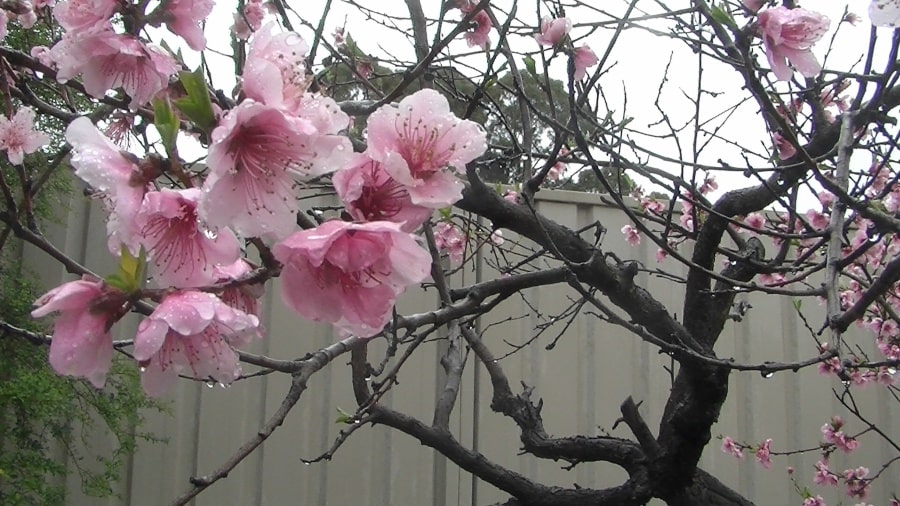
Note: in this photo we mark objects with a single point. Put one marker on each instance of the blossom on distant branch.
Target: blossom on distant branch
(632, 235)
(732, 448)
(553, 31)
(763, 454)
(788, 35)
(478, 36)
(18, 136)
(584, 58)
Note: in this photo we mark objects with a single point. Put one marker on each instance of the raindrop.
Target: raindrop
(143, 368)
(892, 371)
(223, 385)
(210, 384)
(766, 374)
(368, 379)
(846, 383)
(875, 238)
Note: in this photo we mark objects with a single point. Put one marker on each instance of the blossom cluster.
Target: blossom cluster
(191, 237)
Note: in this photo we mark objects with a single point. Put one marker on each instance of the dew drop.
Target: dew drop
(142, 369)
(210, 384)
(368, 379)
(305, 463)
(223, 385)
(766, 374)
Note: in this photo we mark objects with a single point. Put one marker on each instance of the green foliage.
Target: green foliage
(45, 419)
(196, 105)
(39, 411)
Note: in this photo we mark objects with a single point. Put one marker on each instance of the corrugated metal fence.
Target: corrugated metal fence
(583, 379)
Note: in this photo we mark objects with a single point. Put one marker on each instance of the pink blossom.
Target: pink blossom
(788, 35)
(4, 19)
(511, 196)
(350, 274)
(814, 501)
(852, 18)
(652, 206)
(886, 376)
(826, 198)
(763, 455)
(661, 255)
(755, 221)
(753, 5)
(497, 237)
(884, 13)
(584, 58)
(183, 18)
(78, 15)
(18, 136)
(558, 168)
(553, 31)
(478, 36)
(107, 60)
(421, 143)
(338, 36)
(450, 239)
(771, 278)
(370, 194)
(817, 220)
(632, 235)
(256, 153)
(732, 448)
(181, 253)
(243, 297)
(81, 344)
(823, 475)
(857, 485)
(709, 184)
(250, 20)
(101, 165)
(785, 149)
(832, 433)
(42, 55)
(275, 72)
(190, 330)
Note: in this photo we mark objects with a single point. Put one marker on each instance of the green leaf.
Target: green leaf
(446, 213)
(797, 304)
(722, 16)
(166, 123)
(196, 105)
(529, 64)
(130, 274)
(344, 417)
